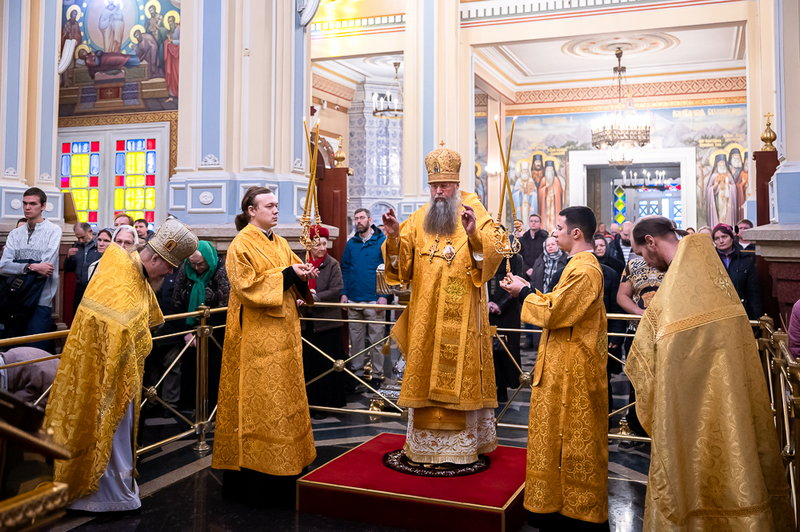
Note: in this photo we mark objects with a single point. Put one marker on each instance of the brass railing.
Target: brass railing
(781, 369)
(203, 420)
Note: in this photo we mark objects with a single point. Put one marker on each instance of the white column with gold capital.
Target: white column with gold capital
(438, 95)
(244, 93)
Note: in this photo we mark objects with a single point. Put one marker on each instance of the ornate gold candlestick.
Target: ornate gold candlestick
(311, 205)
(503, 243)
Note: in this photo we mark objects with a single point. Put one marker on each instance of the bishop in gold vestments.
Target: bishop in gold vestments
(446, 251)
(445, 336)
(701, 395)
(567, 464)
(264, 423)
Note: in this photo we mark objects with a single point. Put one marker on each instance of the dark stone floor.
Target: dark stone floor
(181, 492)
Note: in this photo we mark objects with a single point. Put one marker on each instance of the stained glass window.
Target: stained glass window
(677, 213)
(80, 171)
(619, 204)
(135, 179)
(649, 207)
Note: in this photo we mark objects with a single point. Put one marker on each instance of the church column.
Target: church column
(438, 100)
(375, 145)
(235, 129)
(787, 46)
(28, 104)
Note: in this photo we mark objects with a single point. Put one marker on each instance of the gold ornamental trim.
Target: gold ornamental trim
(132, 118)
(32, 507)
(666, 104)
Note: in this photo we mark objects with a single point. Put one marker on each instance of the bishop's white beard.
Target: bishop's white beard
(442, 216)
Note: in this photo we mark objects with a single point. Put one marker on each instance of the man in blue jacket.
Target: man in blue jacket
(360, 260)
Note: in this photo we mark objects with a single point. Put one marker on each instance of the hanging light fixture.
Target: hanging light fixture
(622, 131)
(390, 103)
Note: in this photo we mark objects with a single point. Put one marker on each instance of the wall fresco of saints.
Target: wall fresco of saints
(542, 143)
(126, 56)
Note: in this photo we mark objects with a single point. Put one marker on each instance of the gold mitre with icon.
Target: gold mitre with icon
(173, 241)
(443, 165)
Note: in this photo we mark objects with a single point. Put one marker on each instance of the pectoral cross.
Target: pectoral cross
(433, 249)
(448, 254)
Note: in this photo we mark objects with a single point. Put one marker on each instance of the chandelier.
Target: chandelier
(644, 178)
(622, 131)
(390, 103)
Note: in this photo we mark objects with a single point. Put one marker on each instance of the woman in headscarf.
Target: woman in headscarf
(548, 267)
(202, 280)
(325, 335)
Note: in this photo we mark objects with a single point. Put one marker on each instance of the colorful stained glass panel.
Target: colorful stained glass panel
(135, 169)
(80, 175)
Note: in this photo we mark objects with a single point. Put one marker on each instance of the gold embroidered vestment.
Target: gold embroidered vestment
(567, 461)
(264, 423)
(701, 395)
(101, 368)
(444, 333)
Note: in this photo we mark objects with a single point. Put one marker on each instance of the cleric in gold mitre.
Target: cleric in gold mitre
(94, 404)
(715, 462)
(446, 251)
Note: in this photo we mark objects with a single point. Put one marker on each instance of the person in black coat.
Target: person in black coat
(741, 267)
(740, 228)
(610, 288)
(603, 256)
(548, 267)
(504, 313)
(532, 244)
(217, 289)
(620, 247)
(531, 247)
(79, 257)
(326, 335)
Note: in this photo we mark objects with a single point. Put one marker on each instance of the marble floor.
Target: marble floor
(181, 492)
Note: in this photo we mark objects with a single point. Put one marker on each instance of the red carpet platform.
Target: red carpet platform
(357, 486)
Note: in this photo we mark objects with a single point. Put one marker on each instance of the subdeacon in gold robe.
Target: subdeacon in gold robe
(101, 368)
(567, 463)
(444, 333)
(263, 418)
(701, 395)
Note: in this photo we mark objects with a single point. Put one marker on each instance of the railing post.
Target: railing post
(766, 350)
(201, 447)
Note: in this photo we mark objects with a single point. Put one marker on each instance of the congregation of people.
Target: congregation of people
(565, 281)
(629, 284)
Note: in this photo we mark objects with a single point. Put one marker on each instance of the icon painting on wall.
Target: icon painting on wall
(125, 57)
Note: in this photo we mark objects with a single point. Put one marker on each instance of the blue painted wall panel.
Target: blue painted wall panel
(14, 57)
(211, 79)
(48, 92)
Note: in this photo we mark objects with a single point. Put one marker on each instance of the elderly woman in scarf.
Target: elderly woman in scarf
(325, 335)
(200, 281)
(548, 267)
